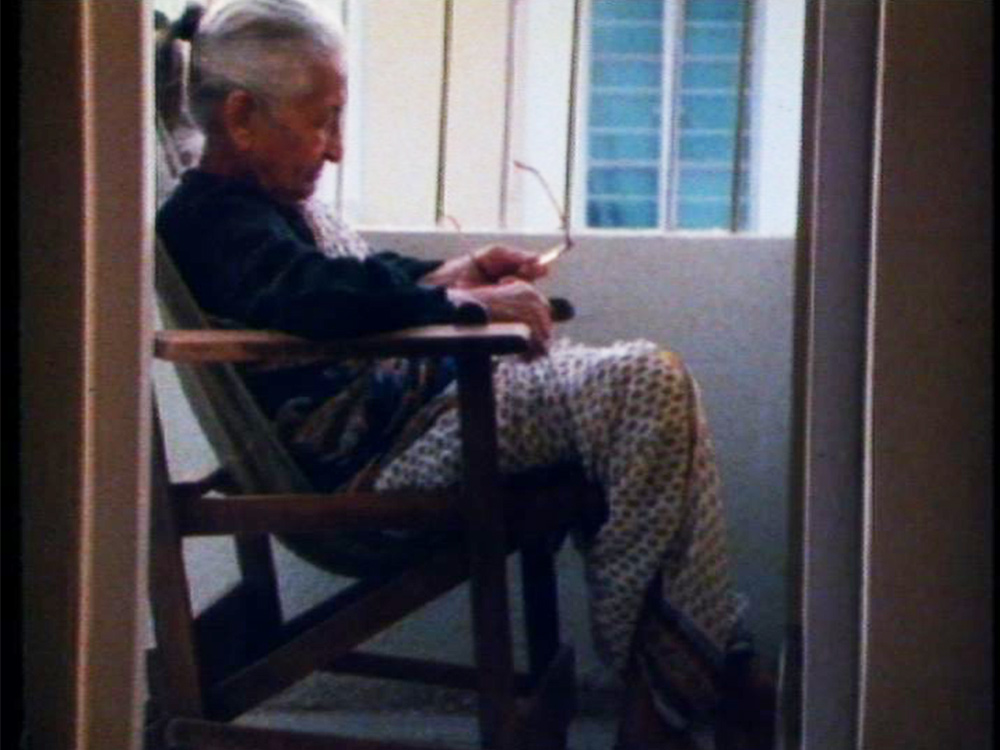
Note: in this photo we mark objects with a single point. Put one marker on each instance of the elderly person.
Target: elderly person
(268, 88)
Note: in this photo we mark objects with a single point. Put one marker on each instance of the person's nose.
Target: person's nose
(334, 150)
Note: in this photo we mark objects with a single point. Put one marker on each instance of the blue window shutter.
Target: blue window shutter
(628, 133)
(625, 126)
(708, 94)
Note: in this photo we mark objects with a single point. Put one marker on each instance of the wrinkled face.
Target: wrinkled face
(292, 140)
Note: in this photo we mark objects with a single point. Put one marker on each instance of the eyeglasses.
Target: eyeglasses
(556, 250)
(551, 253)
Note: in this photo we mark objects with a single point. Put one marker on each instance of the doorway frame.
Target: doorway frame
(822, 654)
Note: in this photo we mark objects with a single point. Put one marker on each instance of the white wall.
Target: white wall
(776, 115)
(397, 154)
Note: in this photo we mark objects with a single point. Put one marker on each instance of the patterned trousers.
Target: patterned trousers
(657, 570)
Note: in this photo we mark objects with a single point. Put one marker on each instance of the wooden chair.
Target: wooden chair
(208, 669)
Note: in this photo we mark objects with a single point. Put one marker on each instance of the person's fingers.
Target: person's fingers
(546, 326)
(536, 349)
(516, 299)
(505, 259)
(535, 312)
(539, 346)
(532, 270)
(541, 325)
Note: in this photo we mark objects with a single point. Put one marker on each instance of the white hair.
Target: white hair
(260, 46)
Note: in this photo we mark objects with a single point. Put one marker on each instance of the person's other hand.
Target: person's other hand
(515, 300)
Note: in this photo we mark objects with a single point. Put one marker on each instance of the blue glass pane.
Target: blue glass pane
(703, 215)
(713, 40)
(631, 214)
(614, 110)
(646, 40)
(710, 75)
(708, 111)
(626, 73)
(622, 181)
(714, 10)
(703, 183)
(707, 148)
(624, 146)
(628, 9)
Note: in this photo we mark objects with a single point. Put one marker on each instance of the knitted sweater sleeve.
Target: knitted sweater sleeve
(245, 259)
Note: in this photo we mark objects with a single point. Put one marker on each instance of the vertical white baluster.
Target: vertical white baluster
(508, 108)
(571, 115)
(449, 15)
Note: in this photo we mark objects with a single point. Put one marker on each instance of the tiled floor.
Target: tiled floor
(386, 710)
(418, 726)
(378, 710)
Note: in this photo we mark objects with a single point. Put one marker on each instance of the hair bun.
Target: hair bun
(186, 26)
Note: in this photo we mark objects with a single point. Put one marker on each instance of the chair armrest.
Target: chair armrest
(205, 346)
(304, 514)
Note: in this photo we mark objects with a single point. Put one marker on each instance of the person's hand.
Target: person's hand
(486, 265)
(491, 263)
(515, 300)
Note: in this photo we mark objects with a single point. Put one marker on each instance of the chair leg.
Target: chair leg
(487, 553)
(173, 619)
(547, 714)
(541, 606)
(260, 589)
(493, 645)
(154, 720)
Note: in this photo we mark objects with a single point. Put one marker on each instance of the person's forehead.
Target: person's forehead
(328, 79)
(335, 67)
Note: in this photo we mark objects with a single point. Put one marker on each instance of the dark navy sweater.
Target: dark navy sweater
(253, 260)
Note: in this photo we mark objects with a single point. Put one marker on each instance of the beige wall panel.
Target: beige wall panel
(399, 165)
(476, 113)
(539, 137)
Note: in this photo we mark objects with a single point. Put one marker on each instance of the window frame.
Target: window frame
(669, 175)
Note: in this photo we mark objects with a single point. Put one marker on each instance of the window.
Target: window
(667, 128)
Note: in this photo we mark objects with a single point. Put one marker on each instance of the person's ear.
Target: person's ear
(239, 118)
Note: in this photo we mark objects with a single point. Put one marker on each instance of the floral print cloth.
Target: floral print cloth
(631, 415)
